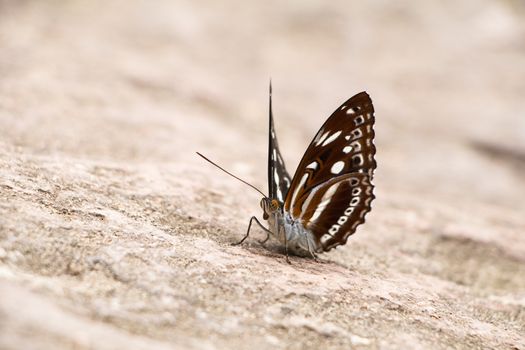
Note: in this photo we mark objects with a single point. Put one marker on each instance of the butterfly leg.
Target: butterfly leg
(286, 249)
(248, 231)
(311, 251)
(266, 239)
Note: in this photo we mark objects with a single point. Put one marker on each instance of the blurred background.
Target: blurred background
(113, 98)
(153, 82)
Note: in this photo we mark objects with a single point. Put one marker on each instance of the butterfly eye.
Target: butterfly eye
(275, 204)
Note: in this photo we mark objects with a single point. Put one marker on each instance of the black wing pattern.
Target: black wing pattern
(331, 190)
(279, 180)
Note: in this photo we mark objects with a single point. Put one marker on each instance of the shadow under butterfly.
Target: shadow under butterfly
(331, 191)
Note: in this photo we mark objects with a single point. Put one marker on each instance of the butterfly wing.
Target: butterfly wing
(334, 209)
(278, 178)
(336, 168)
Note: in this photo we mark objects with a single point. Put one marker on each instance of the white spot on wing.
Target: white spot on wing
(357, 133)
(337, 167)
(357, 159)
(325, 238)
(356, 146)
(333, 230)
(312, 165)
(321, 139)
(331, 138)
(279, 195)
(359, 120)
(347, 149)
(274, 154)
(277, 181)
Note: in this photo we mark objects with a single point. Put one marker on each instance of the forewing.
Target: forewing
(333, 210)
(343, 145)
(278, 178)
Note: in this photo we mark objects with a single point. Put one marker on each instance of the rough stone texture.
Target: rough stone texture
(114, 235)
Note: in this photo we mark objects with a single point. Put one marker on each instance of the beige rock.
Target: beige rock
(114, 234)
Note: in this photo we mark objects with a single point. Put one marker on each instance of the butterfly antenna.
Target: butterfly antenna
(270, 140)
(227, 172)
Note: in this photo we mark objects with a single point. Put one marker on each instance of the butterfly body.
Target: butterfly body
(286, 230)
(331, 191)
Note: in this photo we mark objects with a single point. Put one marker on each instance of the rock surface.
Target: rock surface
(114, 235)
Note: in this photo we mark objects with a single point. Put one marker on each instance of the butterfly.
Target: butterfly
(331, 191)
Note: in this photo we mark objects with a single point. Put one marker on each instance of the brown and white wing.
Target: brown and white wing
(338, 163)
(343, 145)
(333, 210)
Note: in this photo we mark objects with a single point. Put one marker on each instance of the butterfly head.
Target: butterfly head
(269, 206)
